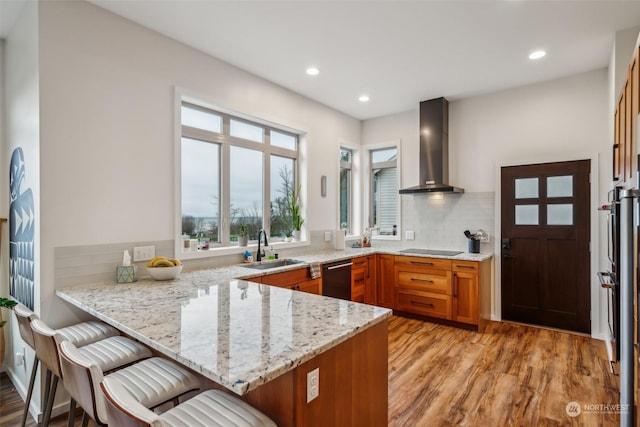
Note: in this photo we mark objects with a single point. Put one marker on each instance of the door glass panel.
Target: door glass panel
(526, 214)
(526, 188)
(560, 186)
(560, 214)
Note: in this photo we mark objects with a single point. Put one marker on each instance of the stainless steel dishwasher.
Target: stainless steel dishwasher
(336, 279)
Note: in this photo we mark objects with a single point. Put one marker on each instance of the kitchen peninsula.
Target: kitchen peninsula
(258, 341)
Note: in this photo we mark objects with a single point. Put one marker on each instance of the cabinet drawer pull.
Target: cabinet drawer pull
(413, 279)
(424, 304)
(421, 263)
(465, 266)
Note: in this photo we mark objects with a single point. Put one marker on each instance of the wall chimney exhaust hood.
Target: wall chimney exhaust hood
(434, 149)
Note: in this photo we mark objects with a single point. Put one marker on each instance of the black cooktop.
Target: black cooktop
(430, 252)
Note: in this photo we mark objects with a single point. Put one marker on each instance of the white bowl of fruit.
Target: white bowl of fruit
(163, 268)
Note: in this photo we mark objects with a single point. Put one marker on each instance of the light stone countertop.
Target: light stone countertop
(237, 333)
(330, 255)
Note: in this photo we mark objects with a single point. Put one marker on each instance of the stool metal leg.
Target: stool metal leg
(52, 396)
(85, 419)
(72, 413)
(32, 381)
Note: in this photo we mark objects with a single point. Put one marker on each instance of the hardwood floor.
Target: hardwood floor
(509, 375)
(12, 405)
(443, 376)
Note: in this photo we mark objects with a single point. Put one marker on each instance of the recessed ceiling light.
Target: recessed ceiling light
(537, 54)
(364, 98)
(313, 71)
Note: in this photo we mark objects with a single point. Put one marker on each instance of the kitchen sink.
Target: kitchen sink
(266, 265)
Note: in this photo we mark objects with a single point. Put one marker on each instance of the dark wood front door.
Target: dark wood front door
(545, 245)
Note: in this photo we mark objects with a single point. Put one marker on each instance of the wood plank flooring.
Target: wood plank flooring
(511, 375)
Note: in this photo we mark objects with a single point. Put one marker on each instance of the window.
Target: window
(346, 167)
(234, 172)
(384, 196)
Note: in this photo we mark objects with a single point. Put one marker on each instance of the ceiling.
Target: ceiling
(397, 52)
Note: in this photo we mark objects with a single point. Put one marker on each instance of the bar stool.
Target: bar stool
(207, 409)
(110, 353)
(151, 382)
(80, 334)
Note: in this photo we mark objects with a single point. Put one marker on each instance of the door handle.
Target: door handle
(506, 256)
(333, 267)
(424, 304)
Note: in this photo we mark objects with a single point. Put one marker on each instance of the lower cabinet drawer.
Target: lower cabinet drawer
(436, 282)
(433, 305)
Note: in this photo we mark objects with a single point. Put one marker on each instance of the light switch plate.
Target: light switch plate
(409, 235)
(327, 236)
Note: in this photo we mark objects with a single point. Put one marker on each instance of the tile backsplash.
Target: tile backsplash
(439, 224)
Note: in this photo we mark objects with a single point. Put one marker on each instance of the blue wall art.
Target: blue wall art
(21, 233)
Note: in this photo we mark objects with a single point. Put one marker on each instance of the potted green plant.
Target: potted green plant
(4, 303)
(243, 237)
(294, 208)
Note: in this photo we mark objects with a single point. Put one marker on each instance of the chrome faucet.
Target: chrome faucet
(260, 253)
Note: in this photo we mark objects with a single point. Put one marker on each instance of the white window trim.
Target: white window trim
(184, 95)
(356, 188)
(366, 173)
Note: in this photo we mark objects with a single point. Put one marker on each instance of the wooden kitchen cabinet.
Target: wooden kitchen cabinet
(452, 290)
(370, 283)
(358, 278)
(363, 279)
(385, 280)
(423, 286)
(298, 279)
(625, 124)
(465, 292)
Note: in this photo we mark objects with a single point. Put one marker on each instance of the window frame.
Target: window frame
(370, 167)
(225, 141)
(350, 202)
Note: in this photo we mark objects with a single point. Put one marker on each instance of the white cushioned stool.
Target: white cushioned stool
(210, 408)
(112, 352)
(152, 382)
(80, 334)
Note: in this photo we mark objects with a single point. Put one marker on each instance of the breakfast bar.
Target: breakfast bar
(260, 342)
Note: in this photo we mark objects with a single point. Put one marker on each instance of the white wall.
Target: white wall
(560, 117)
(107, 121)
(21, 77)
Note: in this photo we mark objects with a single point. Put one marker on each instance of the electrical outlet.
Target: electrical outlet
(327, 236)
(143, 253)
(313, 384)
(19, 359)
(485, 237)
(409, 235)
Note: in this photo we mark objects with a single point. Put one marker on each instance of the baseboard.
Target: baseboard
(58, 409)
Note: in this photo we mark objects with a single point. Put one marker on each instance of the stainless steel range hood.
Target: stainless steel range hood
(434, 149)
